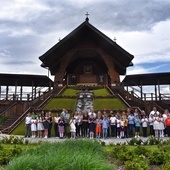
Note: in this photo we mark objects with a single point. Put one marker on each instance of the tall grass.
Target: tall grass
(67, 155)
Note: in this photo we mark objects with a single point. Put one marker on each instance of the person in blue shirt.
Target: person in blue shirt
(105, 123)
(131, 120)
(137, 126)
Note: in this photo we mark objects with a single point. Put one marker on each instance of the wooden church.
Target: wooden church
(86, 56)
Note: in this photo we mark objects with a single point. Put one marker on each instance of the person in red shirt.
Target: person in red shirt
(167, 123)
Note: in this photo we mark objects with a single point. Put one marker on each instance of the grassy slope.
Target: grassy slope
(70, 91)
(101, 92)
(59, 103)
(110, 103)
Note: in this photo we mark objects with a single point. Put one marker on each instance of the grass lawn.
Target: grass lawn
(101, 92)
(70, 92)
(60, 103)
(110, 103)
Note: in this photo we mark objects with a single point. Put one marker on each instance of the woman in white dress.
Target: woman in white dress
(33, 126)
(161, 125)
(40, 126)
(156, 125)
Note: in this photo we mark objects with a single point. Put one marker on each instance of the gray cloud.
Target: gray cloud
(27, 30)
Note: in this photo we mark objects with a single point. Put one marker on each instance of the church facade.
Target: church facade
(86, 56)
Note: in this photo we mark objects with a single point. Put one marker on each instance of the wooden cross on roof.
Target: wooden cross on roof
(87, 16)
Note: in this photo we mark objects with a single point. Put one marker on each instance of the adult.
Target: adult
(151, 121)
(28, 125)
(85, 124)
(92, 112)
(167, 123)
(46, 125)
(50, 124)
(92, 126)
(56, 118)
(154, 111)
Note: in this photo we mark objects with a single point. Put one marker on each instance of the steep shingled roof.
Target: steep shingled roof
(85, 30)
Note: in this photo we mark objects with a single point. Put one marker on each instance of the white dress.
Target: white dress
(161, 124)
(72, 125)
(155, 123)
(40, 125)
(33, 125)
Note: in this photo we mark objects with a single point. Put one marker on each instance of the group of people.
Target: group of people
(128, 123)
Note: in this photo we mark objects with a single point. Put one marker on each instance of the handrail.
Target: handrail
(62, 90)
(123, 100)
(44, 101)
(8, 108)
(15, 124)
(109, 89)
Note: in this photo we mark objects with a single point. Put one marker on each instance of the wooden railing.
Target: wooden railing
(17, 122)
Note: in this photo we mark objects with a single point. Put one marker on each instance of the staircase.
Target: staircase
(10, 120)
(126, 96)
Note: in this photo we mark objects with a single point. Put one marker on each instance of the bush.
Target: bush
(136, 164)
(166, 166)
(156, 157)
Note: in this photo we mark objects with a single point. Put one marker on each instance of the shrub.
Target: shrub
(166, 166)
(136, 164)
(156, 157)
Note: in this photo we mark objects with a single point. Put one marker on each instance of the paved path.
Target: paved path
(107, 141)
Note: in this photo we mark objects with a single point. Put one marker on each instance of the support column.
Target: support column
(32, 90)
(0, 92)
(141, 91)
(155, 93)
(159, 91)
(7, 90)
(21, 93)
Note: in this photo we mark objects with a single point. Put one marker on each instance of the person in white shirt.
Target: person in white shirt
(118, 126)
(56, 118)
(144, 122)
(113, 125)
(28, 125)
(154, 111)
(92, 112)
(151, 120)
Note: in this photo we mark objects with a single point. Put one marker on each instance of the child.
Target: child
(33, 126)
(91, 126)
(40, 126)
(98, 125)
(122, 124)
(105, 123)
(73, 127)
(61, 123)
(118, 126)
(137, 126)
(144, 122)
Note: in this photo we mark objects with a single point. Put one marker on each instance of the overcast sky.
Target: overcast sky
(28, 28)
